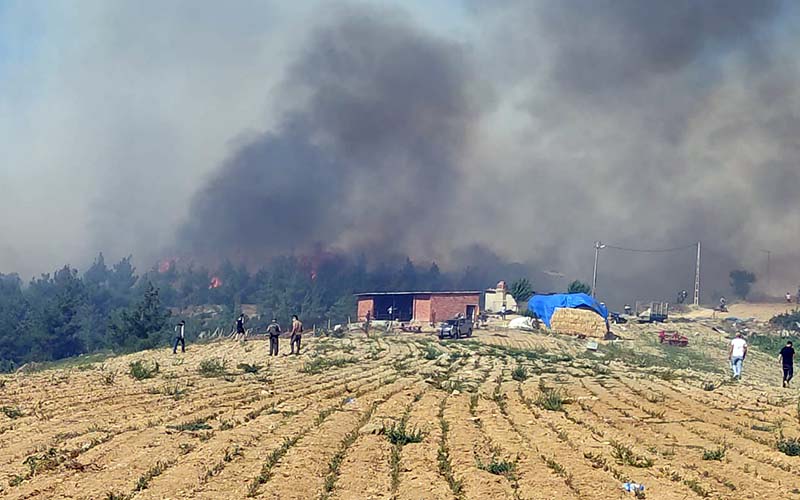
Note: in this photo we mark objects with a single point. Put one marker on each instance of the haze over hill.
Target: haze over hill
(469, 133)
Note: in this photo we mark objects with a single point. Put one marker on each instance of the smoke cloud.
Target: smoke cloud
(506, 136)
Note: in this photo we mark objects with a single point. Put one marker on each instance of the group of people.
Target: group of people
(738, 352)
(273, 330)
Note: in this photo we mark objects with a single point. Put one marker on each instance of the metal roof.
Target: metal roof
(464, 292)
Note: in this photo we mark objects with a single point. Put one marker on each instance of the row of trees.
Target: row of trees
(67, 313)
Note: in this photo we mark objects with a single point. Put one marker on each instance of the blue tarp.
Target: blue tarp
(545, 305)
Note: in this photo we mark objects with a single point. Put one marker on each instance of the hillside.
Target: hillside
(503, 415)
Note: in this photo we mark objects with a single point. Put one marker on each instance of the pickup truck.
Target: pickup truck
(456, 328)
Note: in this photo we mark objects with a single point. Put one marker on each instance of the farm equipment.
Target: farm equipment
(653, 312)
(673, 338)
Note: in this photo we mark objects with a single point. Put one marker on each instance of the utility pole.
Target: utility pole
(768, 258)
(697, 278)
(597, 246)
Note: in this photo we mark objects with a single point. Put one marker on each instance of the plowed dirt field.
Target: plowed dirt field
(502, 415)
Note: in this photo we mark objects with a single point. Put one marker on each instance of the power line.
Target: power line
(660, 250)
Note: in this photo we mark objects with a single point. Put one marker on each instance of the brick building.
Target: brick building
(419, 307)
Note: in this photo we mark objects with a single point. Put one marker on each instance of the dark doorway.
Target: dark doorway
(471, 312)
(402, 307)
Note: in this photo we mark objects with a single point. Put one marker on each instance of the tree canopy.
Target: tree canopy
(112, 307)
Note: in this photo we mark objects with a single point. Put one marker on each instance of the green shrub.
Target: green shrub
(716, 454)
(398, 434)
(625, 456)
(248, 368)
(519, 373)
(789, 446)
(138, 370)
(193, 426)
(12, 412)
(212, 367)
(551, 399)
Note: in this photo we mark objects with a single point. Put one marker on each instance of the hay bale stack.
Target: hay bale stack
(577, 322)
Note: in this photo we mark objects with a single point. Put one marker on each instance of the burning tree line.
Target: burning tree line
(67, 313)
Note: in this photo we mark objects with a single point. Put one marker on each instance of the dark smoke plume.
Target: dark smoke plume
(385, 115)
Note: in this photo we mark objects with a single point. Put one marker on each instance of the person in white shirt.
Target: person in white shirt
(180, 337)
(736, 355)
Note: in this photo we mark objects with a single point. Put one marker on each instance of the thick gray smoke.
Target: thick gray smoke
(368, 159)
(479, 134)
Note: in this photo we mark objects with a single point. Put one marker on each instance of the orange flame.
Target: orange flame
(165, 265)
(215, 283)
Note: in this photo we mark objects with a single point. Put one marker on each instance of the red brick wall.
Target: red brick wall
(422, 308)
(447, 306)
(365, 304)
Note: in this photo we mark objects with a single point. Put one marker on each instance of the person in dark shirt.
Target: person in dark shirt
(274, 331)
(787, 361)
(240, 331)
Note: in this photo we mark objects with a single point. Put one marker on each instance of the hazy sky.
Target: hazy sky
(443, 129)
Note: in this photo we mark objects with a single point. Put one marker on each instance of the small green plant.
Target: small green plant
(109, 377)
(519, 373)
(193, 426)
(654, 397)
(113, 495)
(473, 403)
(139, 370)
(789, 446)
(695, 486)
(551, 399)
(212, 367)
(186, 448)
(625, 456)
(498, 467)
(154, 471)
(558, 469)
(248, 368)
(715, 454)
(48, 460)
(174, 391)
(318, 365)
(12, 412)
(398, 434)
(266, 468)
(431, 353)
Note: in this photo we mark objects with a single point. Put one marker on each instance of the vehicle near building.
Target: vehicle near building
(456, 328)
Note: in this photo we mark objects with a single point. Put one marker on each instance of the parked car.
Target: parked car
(456, 328)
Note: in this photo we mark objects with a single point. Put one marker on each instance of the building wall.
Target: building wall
(494, 300)
(448, 306)
(422, 308)
(365, 304)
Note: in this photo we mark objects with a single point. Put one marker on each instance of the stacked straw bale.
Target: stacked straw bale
(577, 322)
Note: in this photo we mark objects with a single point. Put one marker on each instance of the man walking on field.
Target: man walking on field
(787, 362)
(180, 338)
(297, 334)
(736, 355)
(274, 332)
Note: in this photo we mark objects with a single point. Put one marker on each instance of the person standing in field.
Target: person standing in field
(786, 357)
(736, 355)
(297, 334)
(274, 332)
(240, 331)
(179, 337)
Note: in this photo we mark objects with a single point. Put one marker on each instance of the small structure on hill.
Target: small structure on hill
(571, 313)
(419, 307)
(496, 298)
